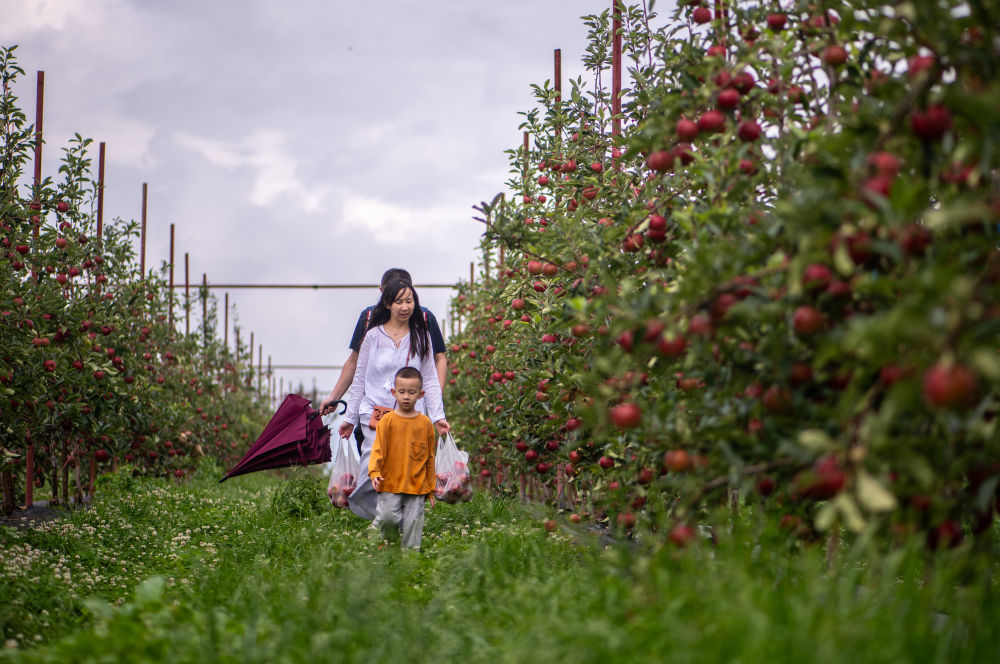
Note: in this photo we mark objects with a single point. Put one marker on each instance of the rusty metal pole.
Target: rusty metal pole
(187, 294)
(29, 460)
(204, 307)
(526, 166)
(142, 235)
(558, 87)
(616, 70)
(225, 325)
(170, 312)
(100, 196)
(39, 108)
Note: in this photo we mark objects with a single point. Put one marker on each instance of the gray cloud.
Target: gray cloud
(298, 142)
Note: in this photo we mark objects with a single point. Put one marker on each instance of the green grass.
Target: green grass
(261, 569)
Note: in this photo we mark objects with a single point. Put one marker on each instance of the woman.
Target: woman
(397, 337)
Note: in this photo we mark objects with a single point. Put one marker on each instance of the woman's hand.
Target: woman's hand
(442, 427)
(346, 429)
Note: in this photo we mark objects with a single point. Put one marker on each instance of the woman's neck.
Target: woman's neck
(396, 326)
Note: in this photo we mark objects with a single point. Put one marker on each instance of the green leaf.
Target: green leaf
(849, 510)
(872, 495)
(816, 440)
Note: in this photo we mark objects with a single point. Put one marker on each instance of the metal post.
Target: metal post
(39, 108)
(225, 325)
(260, 365)
(29, 463)
(142, 235)
(558, 87)
(204, 306)
(187, 295)
(616, 70)
(170, 313)
(100, 197)
(527, 166)
(472, 275)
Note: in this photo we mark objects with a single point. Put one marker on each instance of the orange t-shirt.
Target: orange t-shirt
(403, 454)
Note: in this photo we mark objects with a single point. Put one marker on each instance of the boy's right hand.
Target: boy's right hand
(377, 483)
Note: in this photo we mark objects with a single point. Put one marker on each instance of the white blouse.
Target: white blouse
(378, 361)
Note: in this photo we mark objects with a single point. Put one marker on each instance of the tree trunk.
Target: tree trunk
(7, 492)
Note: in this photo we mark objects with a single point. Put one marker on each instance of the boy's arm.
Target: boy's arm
(377, 457)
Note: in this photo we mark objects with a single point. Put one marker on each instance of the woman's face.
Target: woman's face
(402, 307)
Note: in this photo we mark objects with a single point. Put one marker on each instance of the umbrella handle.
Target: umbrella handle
(343, 403)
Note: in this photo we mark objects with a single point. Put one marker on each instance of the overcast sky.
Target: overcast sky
(304, 141)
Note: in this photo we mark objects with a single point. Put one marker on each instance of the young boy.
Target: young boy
(401, 466)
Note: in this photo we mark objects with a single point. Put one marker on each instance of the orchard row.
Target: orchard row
(779, 280)
(91, 370)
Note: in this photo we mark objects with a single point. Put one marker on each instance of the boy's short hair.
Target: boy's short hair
(396, 273)
(409, 372)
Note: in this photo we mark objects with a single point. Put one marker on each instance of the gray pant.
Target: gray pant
(400, 515)
(362, 500)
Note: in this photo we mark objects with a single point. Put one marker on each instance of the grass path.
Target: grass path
(263, 570)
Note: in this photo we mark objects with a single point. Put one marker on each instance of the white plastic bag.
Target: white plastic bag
(452, 468)
(343, 474)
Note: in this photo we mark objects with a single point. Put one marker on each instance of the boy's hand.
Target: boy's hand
(346, 429)
(376, 483)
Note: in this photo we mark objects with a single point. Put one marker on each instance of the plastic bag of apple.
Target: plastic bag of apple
(343, 474)
(452, 468)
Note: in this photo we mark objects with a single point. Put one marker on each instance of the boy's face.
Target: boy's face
(407, 391)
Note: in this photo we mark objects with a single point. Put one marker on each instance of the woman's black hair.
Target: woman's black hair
(418, 326)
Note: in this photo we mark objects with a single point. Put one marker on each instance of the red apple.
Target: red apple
(682, 534)
(660, 161)
(687, 130)
(932, 123)
(626, 415)
(776, 22)
(701, 15)
(948, 385)
(748, 131)
(712, 121)
(728, 98)
(834, 55)
(808, 321)
(676, 461)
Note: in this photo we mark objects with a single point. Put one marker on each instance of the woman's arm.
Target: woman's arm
(344, 382)
(357, 390)
(432, 388)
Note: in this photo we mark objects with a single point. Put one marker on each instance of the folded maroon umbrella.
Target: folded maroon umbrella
(295, 436)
